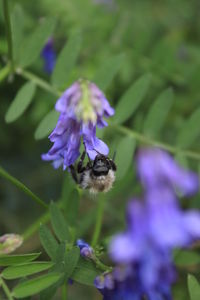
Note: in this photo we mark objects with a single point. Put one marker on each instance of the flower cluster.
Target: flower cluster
(155, 226)
(49, 56)
(82, 107)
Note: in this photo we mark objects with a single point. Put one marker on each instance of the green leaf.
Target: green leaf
(59, 224)
(187, 258)
(47, 124)
(60, 257)
(8, 260)
(32, 46)
(190, 131)
(158, 112)
(85, 272)
(49, 293)
(24, 270)
(48, 241)
(71, 207)
(36, 285)
(71, 260)
(17, 26)
(124, 155)
(66, 60)
(21, 102)
(194, 288)
(108, 70)
(131, 99)
(65, 264)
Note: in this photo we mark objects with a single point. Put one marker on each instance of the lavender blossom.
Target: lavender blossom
(156, 225)
(85, 249)
(82, 107)
(49, 56)
(9, 243)
(126, 283)
(156, 167)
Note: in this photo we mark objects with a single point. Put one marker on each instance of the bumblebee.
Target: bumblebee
(97, 176)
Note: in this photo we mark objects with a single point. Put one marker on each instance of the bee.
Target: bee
(97, 176)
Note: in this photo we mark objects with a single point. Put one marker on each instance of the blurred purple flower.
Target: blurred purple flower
(156, 167)
(82, 107)
(49, 56)
(156, 225)
(85, 249)
(126, 283)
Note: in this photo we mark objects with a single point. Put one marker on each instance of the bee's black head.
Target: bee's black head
(101, 165)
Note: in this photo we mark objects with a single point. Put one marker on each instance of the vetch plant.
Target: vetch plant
(160, 243)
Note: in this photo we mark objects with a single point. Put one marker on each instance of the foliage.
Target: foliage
(150, 71)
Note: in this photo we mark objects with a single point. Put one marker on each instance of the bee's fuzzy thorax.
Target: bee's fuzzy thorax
(97, 184)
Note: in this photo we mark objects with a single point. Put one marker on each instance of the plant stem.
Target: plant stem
(120, 128)
(6, 289)
(44, 218)
(101, 266)
(142, 138)
(64, 292)
(22, 187)
(34, 227)
(99, 219)
(38, 81)
(8, 33)
(4, 72)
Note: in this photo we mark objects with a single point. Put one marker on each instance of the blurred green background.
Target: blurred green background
(160, 37)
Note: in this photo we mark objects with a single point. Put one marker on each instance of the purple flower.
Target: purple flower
(138, 249)
(156, 225)
(156, 167)
(82, 107)
(126, 283)
(49, 56)
(169, 225)
(85, 249)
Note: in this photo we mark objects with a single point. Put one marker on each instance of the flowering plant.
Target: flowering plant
(126, 224)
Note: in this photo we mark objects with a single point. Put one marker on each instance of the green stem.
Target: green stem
(99, 219)
(22, 187)
(34, 227)
(101, 266)
(142, 138)
(6, 289)
(4, 72)
(41, 220)
(8, 32)
(120, 128)
(38, 81)
(64, 292)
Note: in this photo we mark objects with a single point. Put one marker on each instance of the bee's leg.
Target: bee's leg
(113, 165)
(80, 167)
(114, 155)
(74, 174)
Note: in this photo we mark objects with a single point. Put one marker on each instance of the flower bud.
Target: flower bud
(85, 249)
(10, 242)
